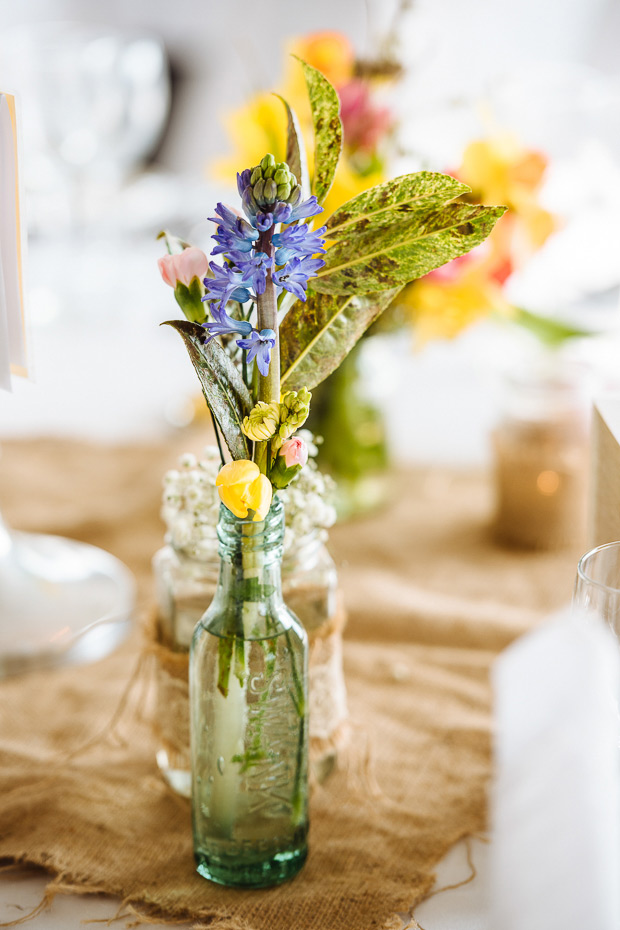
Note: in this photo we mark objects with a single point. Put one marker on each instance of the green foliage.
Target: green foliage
(384, 256)
(316, 336)
(190, 300)
(550, 332)
(296, 150)
(222, 385)
(325, 108)
(224, 659)
(393, 202)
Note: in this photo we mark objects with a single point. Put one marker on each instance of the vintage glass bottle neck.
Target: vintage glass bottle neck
(251, 555)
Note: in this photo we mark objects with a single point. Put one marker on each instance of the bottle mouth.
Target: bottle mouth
(252, 535)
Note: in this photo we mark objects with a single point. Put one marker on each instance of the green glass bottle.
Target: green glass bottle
(249, 721)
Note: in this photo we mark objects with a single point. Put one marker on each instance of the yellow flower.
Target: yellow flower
(255, 128)
(262, 422)
(442, 309)
(500, 170)
(242, 488)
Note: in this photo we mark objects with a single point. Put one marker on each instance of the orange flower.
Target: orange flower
(500, 170)
(329, 52)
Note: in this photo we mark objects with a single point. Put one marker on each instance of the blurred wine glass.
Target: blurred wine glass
(597, 585)
(95, 103)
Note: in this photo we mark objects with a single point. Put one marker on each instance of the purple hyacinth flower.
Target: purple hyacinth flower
(254, 268)
(309, 207)
(297, 242)
(259, 346)
(243, 180)
(227, 242)
(282, 212)
(226, 284)
(264, 221)
(294, 276)
(248, 202)
(232, 228)
(223, 324)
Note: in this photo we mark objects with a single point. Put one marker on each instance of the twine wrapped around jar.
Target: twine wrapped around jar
(329, 730)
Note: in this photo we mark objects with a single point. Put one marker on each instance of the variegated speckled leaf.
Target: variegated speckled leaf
(316, 336)
(389, 203)
(387, 256)
(223, 387)
(296, 150)
(325, 108)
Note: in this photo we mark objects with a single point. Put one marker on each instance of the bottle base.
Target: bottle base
(261, 873)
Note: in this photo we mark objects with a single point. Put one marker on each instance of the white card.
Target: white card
(12, 315)
(555, 850)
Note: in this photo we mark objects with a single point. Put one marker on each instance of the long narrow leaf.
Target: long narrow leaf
(296, 150)
(222, 385)
(316, 336)
(381, 258)
(325, 108)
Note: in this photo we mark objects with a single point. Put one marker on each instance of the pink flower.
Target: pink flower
(295, 452)
(363, 121)
(181, 268)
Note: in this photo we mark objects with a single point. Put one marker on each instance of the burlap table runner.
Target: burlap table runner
(431, 600)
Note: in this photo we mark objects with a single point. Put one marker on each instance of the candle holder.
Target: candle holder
(540, 462)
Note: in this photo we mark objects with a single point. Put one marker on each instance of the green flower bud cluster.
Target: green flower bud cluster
(273, 182)
(294, 410)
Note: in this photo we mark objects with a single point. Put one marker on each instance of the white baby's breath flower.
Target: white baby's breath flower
(191, 504)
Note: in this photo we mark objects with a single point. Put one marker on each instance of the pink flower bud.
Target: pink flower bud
(295, 452)
(188, 264)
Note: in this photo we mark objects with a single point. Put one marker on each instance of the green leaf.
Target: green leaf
(325, 108)
(227, 396)
(224, 656)
(316, 336)
(384, 257)
(389, 203)
(550, 332)
(296, 150)
(190, 300)
(239, 659)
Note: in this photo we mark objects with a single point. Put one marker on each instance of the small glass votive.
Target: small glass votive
(540, 457)
(597, 585)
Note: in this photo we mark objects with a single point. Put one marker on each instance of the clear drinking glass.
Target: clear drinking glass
(597, 586)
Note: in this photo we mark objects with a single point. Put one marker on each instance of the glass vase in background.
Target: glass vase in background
(249, 715)
(597, 585)
(540, 451)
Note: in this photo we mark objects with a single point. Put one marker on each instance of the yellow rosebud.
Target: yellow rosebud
(262, 422)
(242, 488)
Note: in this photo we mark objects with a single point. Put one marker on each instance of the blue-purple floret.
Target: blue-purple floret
(294, 276)
(245, 273)
(223, 324)
(297, 242)
(259, 346)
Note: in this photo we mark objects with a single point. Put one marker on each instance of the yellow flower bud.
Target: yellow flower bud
(262, 422)
(242, 488)
(294, 411)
